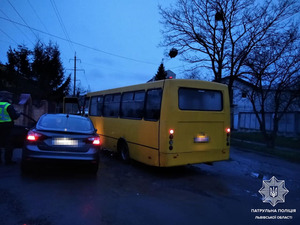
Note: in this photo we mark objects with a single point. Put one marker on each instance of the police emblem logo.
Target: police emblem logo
(273, 191)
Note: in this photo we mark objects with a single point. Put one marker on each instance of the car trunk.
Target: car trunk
(63, 142)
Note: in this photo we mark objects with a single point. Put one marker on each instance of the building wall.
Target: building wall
(243, 117)
(288, 125)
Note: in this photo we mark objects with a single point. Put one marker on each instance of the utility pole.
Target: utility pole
(75, 69)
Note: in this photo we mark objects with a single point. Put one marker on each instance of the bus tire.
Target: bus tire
(123, 151)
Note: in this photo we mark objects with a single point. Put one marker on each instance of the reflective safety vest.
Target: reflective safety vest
(4, 116)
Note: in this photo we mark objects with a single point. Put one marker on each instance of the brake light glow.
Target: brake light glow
(33, 136)
(95, 140)
(171, 136)
(228, 136)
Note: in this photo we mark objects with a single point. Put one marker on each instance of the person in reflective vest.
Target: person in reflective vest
(7, 116)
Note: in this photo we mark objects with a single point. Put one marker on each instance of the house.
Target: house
(243, 117)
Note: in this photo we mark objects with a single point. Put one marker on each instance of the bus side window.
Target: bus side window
(153, 104)
(132, 106)
(100, 106)
(85, 108)
(126, 105)
(96, 106)
(111, 105)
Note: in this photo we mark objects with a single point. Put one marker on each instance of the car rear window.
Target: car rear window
(200, 99)
(65, 123)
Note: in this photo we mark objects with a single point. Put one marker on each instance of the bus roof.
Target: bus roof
(160, 83)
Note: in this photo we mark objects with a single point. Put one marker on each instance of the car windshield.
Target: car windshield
(65, 123)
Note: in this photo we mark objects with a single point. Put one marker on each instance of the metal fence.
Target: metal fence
(289, 124)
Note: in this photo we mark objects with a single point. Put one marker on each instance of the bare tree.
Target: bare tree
(274, 69)
(220, 34)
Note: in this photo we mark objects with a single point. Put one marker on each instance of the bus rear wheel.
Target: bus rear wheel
(124, 151)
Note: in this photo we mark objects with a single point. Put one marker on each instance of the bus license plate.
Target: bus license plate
(65, 142)
(201, 139)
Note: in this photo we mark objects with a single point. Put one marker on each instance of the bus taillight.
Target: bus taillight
(228, 135)
(171, 136)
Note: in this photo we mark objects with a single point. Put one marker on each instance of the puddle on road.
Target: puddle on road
(260, 176)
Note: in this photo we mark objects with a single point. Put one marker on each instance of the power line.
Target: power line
(17, 27)
(82, 45)
(22, 19)
(9, 36)
(62, 25)
(37, 15)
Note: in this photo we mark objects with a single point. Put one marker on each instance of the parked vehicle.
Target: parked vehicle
(62, 138)
(165, 123)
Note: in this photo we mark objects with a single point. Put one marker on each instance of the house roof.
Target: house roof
(225, 80)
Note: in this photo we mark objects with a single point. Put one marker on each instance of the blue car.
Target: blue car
(62, 138)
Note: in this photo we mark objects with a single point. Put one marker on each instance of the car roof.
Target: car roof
(64, 115)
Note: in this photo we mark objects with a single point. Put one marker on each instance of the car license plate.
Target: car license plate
(65, 142)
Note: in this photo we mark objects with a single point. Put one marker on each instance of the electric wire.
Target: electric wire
(80, 44)
(17, 27)
(23, 19)
(31, 6)
(8, 36)
(62, 25)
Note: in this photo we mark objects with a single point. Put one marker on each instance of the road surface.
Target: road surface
(135, 194)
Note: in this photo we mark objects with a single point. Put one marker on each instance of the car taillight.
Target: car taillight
(94, 140)
(33, 136)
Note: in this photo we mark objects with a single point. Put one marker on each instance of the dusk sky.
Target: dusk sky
(117, 41)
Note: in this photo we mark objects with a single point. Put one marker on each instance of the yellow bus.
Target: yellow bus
(164, 123)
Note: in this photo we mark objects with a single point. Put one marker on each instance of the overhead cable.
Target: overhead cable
(31, 6)
(62, 25)
(80, 44)
(17, 27)
(23, 19)
(9, 36)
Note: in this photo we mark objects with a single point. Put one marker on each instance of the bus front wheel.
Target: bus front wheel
(124, 151)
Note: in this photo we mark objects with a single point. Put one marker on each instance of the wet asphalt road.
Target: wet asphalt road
(225, 193)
